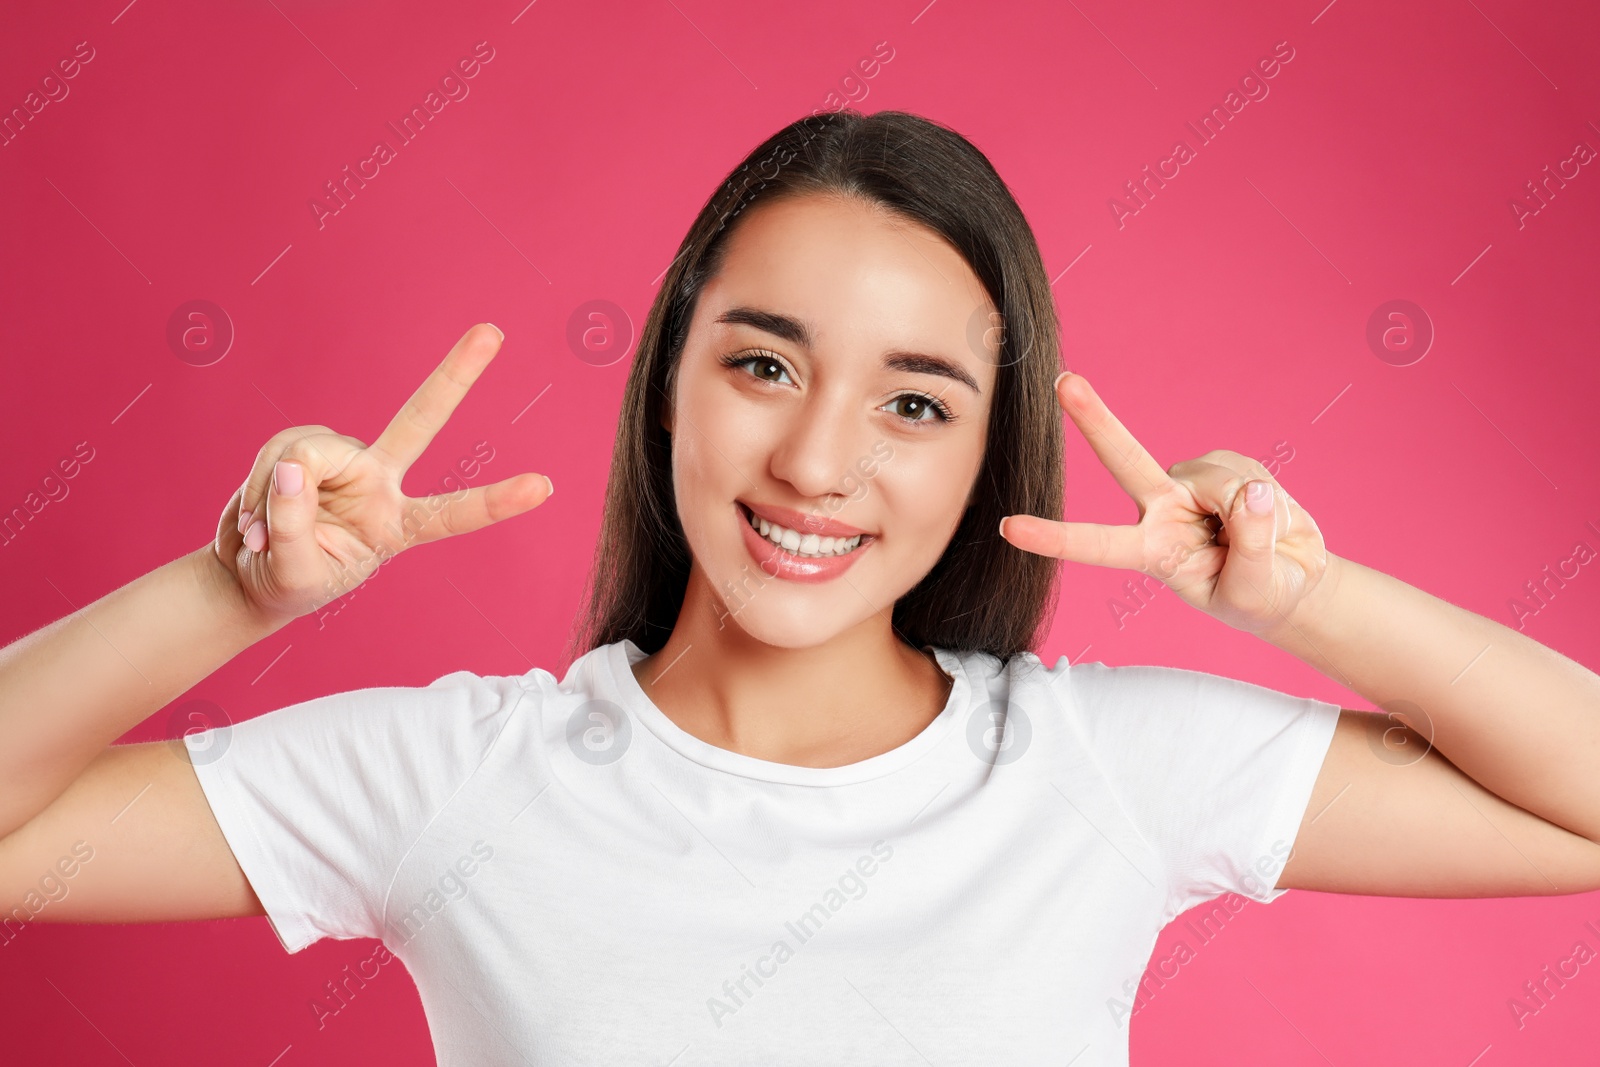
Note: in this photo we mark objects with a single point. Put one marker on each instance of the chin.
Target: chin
(782, 621)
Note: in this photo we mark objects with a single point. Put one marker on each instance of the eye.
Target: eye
(920, 405)
(765, 363)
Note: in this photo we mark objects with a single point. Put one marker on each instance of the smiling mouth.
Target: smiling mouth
(802, 545)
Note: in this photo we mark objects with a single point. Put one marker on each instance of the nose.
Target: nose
(820, 446)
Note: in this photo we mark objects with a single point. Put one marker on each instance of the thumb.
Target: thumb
(291, 514)
(1252, 536)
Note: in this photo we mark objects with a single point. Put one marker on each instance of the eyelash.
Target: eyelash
(941, 410)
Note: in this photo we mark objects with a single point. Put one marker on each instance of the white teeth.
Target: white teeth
(804, 544)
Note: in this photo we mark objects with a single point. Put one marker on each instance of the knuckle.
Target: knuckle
(255, 487)
(275, 444)
(269, 451)
(303, 452)
(415, 415)
(448, 520)
(276, 448)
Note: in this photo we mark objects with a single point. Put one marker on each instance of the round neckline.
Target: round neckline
(622, 655)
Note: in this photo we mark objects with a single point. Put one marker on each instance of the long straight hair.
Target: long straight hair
(983, 594)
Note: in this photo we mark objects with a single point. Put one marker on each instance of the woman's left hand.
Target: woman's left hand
(1218, 530)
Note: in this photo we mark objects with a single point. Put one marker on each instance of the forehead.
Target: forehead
(859, 275)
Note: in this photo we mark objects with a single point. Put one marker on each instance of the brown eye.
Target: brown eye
(765, 368)
(914, 407)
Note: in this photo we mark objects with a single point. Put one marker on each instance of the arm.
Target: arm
(318, 514)
(1499, 795)
(73, 687)
(1491, 785)
(96, 832)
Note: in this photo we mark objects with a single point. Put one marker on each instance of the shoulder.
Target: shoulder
(1090, 684)
(483, 697)
(444, 727)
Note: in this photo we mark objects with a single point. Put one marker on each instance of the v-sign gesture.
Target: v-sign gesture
(321, 511)
(1218, 530)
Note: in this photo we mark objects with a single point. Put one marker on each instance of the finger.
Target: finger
(1140, 476)
(448, 514)
(285, 531)
(228, 523)
(254, 494)
(1080, 542)
(1217, 488)
(1251, 522)
(409, 432)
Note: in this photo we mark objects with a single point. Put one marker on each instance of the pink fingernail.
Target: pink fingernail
(287, 477)
(255, 538)
(1258, 497)
(244, 520)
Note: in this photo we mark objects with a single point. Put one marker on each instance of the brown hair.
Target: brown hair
(983, 594)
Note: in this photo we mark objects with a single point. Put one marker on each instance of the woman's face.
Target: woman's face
(814, 386)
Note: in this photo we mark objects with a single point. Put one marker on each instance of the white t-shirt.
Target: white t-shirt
(570, 878)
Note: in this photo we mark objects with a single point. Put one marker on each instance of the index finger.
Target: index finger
(408, 434)
(1140, 476)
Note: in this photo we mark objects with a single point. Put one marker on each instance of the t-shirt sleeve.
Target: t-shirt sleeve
(321, 800)
(1215, 773)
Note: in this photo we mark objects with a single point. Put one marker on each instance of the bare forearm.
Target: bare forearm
(71, 688)
(1520, 719)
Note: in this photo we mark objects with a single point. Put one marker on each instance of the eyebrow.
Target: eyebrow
(799, 332)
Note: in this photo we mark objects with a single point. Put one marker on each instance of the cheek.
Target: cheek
(712, 449)
(924, 496)
(692, 469)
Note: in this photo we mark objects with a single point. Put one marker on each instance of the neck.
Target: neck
(856, 694)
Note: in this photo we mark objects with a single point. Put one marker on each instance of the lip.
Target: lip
(777, 562)
(802, 523)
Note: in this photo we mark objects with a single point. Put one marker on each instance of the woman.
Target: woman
(806, 795)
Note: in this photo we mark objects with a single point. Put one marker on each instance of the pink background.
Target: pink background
(1229, 312)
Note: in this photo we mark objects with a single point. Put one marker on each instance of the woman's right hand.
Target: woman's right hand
(321, 511)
